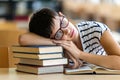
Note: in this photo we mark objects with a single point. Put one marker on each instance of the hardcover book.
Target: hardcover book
(39, 69)
(38, 56)
(45, 62)
(41, 49)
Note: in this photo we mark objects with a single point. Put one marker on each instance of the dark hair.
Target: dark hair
(42, 21)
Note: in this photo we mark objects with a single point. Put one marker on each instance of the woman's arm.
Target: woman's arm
(33, 39)
(112, 48)
(110, 45)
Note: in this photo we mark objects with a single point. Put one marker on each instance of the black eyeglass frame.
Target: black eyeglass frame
(60, 29)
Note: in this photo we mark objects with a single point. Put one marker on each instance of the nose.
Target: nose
(66, 31)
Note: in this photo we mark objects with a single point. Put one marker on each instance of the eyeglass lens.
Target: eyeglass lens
(63, 24)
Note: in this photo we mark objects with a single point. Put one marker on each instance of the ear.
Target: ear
(60, 13)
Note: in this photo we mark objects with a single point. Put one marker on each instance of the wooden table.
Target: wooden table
(11, 74)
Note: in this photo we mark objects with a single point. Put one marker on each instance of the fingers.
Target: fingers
(80, 63)
(66, 54)
(76, 63)
(65, 44)
(71, 56)
(69, 46)
(60, 13)
(56, 41)
(72, 52)
(60, 41)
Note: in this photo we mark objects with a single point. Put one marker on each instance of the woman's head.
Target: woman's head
(41, 22)
(50, 24)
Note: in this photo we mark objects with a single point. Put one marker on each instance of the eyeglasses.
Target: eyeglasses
(63, 24)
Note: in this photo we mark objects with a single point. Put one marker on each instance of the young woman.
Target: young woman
(88, 41)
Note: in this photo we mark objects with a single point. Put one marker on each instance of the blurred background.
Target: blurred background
(14, 18)
(106, 11)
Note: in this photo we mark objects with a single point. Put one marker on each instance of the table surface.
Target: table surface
(12, 74)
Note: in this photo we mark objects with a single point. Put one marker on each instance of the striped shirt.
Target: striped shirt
(90, 34)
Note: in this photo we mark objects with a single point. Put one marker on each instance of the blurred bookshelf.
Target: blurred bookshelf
(105, 11)
(21, 9)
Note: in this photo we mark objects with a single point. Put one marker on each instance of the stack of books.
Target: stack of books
(40, 59)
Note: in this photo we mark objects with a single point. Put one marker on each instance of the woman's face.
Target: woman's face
(63, 29)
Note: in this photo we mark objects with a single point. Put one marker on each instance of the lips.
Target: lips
(72, 33)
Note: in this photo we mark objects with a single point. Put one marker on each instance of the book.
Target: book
(41, 49)
(91, 69)
(39, 69)
(45, 62)
(38, 56)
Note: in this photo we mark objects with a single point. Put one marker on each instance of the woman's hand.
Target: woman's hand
(71, 50)
(72, 62)
(70, 47)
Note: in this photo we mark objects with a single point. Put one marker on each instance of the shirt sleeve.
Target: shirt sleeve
(102, 26)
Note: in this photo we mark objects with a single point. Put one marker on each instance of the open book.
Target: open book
(89, 68)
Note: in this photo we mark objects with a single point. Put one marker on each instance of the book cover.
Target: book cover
(41, 49)
(93, 69)
(39, 69)
(45, 62)
(38, 56)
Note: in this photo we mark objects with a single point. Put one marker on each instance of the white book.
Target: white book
(45, 62)
(38, 56)
(37, 49)
(39, 69)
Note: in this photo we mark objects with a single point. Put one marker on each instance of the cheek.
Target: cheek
(65, 37)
